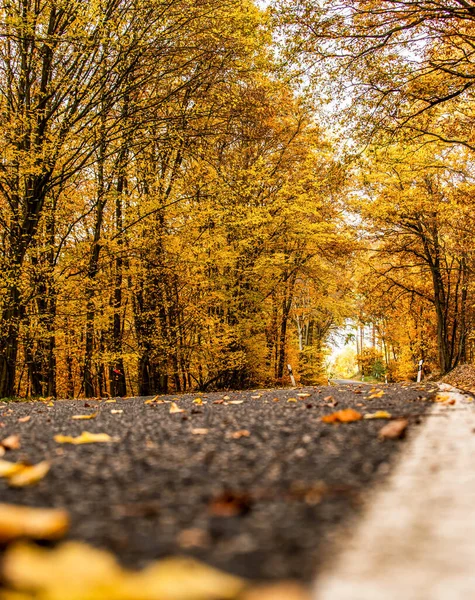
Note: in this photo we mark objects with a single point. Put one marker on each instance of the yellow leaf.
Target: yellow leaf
(197, 401)
(116, 412)
(379, 394)
(236, 402)
(155, 400)
(75, 571)
(379, 414)
(110, 401)
(84, 438)
(442, 398)
(304, 395)
(174, 409)
(199, 431)
(7, 469)
(29, 475)
(36, 523)
(292, 400)
(84, 417)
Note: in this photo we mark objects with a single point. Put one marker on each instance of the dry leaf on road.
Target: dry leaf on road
(394, 430)
(29, 474)
(346, 415)
(84, 438)
(237, 435)
(21, 474)
(12, 442)
(76, 571)
(174, 409)
(379, 394)
(36, 523)
(199, 431)
(379, 414)
(85, 417)
(24, 419)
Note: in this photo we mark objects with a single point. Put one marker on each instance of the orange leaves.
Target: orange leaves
(174, 409)
(237, 435)
(347, 415)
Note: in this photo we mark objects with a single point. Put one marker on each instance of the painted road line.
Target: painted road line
(416, 540)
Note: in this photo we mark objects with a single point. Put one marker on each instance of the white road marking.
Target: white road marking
(417, 538)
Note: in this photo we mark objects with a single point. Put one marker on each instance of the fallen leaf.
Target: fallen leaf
(24, 419)
(226, 398)
(394, 429)
(174, 409)
(155, 400)
(237, 435)
(193, 538)
(198, 401)
(256, 397)
(111, 401)
(304, 395)
(21, 474)
(292, 400)
(442, 397)
(287, 590)
(236, 402)
(275, 399)
(36, 523)
(379, 394)
(199, 431)
(116, 412)
(78, 572)
(328, 399)
(84, 438)
(230, 504)
(343, 416)
(84, 417)
(7, 469)
(379, 414)
(218, 402)
(29, 475)
(12, 442)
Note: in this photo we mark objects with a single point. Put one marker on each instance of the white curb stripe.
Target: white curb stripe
(417, 539)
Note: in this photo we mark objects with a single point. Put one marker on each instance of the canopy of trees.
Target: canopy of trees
(194, 194)
(169, 207)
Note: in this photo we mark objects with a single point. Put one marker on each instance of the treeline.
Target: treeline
(400, 77)
(170, 213)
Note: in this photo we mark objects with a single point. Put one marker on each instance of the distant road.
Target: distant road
(345, 381)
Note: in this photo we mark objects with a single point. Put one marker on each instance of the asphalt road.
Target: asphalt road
(251, 482)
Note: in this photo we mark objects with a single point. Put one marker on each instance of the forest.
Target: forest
(196, 193)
